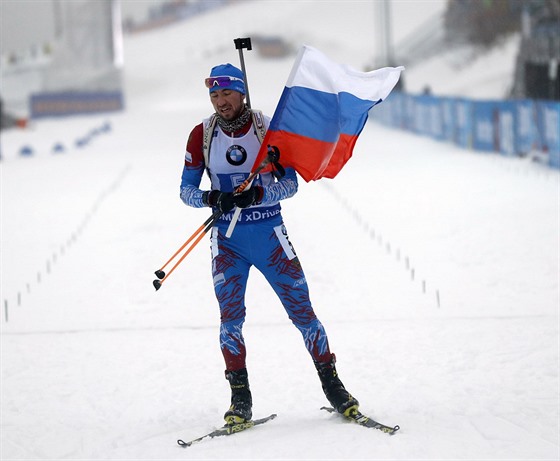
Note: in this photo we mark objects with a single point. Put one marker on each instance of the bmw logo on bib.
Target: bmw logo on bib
(236, 155)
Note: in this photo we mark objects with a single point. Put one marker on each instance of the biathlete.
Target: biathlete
(225, 145)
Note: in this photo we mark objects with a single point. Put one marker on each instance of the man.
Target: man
(226, 145)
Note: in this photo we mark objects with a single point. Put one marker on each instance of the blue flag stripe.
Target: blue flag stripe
(320, 115)
(309, 113)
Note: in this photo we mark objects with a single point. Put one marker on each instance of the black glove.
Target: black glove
(223, 201)
(249, 197)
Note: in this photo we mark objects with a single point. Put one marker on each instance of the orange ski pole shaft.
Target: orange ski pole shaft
(209, 224)
(160, 273)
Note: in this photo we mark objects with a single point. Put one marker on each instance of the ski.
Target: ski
(228, 429)
(365, 421)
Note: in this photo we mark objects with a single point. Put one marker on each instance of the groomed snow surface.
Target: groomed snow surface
(435, 271)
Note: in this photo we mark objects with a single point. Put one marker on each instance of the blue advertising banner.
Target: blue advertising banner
(421, 116)
(427, 116)
(484, 133)
(464, 125)
(526, 123)
(506, 128)
(513, 127)
(408, 112)
(74, 103)
(392, 109)
(548, 116)
(448, 118)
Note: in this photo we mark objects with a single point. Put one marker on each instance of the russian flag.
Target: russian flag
(322, 111)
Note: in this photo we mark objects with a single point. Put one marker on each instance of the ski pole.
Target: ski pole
(196, 237)
(241, 43)
(211, 221)
(160, 273)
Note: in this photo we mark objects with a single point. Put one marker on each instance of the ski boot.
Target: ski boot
(334, 390)
(241, 400)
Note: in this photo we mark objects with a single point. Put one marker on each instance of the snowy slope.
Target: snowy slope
(468, 72)
(97, 366)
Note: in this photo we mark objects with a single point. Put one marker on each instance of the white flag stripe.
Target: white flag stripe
(313, 70)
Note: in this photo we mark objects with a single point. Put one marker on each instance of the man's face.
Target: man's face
(227, 103)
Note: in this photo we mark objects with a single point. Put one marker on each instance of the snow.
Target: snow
(490, 71)
(434, 269)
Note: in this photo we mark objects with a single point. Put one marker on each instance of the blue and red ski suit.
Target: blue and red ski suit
(260, 239)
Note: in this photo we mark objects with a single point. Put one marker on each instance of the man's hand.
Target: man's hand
(223, 201)
(249, 197)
